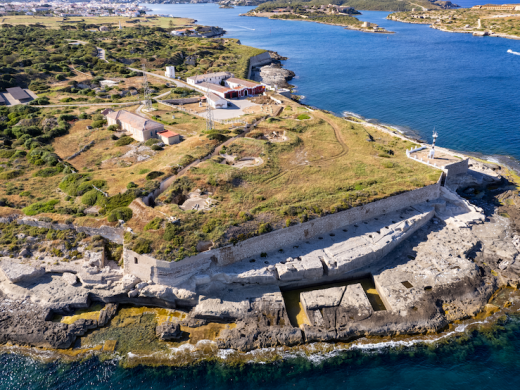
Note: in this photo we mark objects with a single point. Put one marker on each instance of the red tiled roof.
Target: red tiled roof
(167, 133)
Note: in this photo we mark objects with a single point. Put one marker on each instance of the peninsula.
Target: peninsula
(326, 14)
(159, 204)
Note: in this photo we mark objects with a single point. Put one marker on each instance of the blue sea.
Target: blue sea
(419, 78)
(468, 88)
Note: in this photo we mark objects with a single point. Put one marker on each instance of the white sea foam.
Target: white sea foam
(513, 52)
(348, 113)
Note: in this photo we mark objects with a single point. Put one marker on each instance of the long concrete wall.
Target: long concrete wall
(145, 267)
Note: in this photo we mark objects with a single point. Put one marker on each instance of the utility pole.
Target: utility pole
(147, 100)
(209, 115)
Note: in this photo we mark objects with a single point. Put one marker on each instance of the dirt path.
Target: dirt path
(337, 134)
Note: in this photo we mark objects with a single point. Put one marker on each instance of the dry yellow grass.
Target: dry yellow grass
(56, 22)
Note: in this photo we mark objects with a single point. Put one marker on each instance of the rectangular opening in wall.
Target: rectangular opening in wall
(136, 261)
(407, 284)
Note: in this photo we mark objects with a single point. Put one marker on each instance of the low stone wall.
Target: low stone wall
(113, 234)
(146, 267)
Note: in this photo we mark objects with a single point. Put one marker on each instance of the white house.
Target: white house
(214, 78)
(139, 128)
(216, 101)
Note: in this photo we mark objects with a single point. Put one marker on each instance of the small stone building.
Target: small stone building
(139, 128)
(169, 137)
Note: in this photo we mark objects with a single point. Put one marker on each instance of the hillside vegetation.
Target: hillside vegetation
(369, 5)
(465, 20)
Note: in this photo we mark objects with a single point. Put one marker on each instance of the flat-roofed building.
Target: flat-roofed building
(169, 137)
(215, 101)
(19, 94)
(139, 128)
(215, 78)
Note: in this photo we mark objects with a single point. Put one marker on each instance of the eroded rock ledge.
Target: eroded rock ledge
(412, 271)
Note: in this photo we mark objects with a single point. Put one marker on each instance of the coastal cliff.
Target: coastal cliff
(441, 260)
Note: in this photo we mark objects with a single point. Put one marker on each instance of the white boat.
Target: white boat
(513, 52)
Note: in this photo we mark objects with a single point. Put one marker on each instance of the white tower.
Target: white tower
(432, 151)
(170, 72)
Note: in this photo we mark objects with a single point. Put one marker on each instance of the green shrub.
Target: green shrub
(154, 224)
(187, 160)
(7, 153)
(98, 124)
(91, 197)
(303, 117)
(49, 171)
(131, 185)
(123, 213)
(143, 171)
(210, 225)
(157, 147)
(124, 140)
(113, 128)
(18, 154)
(40, 207)
(142, 246)
(70, 183)
(11, 174)
(152, 141)
(264, 228)
(118, 201)
(154, 175)
(171, 232)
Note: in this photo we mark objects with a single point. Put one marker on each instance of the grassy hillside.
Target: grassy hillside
(465, 20)
(370, 5)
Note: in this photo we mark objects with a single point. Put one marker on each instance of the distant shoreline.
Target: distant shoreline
(346, 26)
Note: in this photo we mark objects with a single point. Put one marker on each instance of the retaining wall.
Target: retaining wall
(113, 234)
(145, 267)
(457, 168)
(259, 60)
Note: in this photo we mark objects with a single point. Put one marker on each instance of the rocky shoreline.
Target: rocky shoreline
(347, 27)
(477, 33)
(476, 260)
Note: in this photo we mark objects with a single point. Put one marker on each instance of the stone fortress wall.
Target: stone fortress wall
(110, 233)
(163, 272)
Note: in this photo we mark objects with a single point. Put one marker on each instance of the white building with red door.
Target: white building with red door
(225, 85)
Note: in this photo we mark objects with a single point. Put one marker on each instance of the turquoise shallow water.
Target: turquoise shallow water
(479, 361)
(465, 86)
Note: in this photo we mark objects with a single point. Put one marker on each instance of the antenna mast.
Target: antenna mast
(147, 100)
(209, 115)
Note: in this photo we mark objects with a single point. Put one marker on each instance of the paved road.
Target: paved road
(92, 104)
(178, 83)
